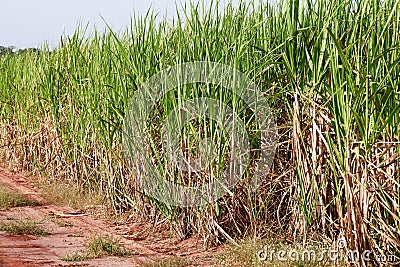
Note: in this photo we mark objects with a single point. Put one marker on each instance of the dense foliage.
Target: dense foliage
(330, 70)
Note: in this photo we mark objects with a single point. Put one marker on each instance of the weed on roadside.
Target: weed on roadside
(10, 199)
(76, 256)
(24, 227)
(99, 246)
(106, 245)
(68, 195)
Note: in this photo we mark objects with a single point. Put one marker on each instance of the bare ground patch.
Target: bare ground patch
(70, 231)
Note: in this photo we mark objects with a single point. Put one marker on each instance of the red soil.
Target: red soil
(69, 231)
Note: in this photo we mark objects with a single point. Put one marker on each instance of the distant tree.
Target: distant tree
(11, 50)
(5, 50)
(28, 50)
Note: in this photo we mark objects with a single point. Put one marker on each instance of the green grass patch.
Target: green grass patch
(99, 246)
(24, 227)
(106, 245)
(10, 199)
(76, 256)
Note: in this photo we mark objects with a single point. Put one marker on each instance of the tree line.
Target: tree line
(10, 50)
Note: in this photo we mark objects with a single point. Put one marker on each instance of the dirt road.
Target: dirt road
(69, 231)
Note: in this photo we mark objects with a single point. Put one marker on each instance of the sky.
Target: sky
(31, 23)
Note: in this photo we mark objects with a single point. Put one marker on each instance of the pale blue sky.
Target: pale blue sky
(29, 23)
